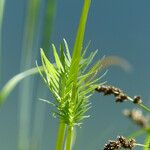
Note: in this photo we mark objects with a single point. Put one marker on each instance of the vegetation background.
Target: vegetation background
(115, 27)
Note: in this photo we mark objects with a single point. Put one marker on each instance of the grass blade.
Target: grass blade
(26, 88)
(2, 5)
(79, 41)
(12, 83)
(38, 123)
(48, 24)
(147, 141)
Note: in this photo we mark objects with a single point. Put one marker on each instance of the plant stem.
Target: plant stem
(141, 105)
(12, 83)
(69, 138)
(60, 136)
(142, 145)
(27, 59)
(76, 56)
(147, 141)
(2, 5)
(144, 107)
(38, 124)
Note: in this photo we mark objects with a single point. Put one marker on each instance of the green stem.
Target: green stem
(2, 5)
(27, 59)
(147, 141)
(12, 83)
(76, 56)
(69, 138)
(144, 107)
(60, 136)
(141, 105)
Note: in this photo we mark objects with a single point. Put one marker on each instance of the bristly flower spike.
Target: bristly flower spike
(56, 78)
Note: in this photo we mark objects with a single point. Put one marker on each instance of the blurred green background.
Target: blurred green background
(118, 27)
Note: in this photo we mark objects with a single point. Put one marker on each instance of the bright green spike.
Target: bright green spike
(41, 73)
(85, 50)
(58, 62)
(62, 56)
(88, 61)
(48, 66)
(67, 50)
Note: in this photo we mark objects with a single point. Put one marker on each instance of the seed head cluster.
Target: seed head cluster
(121, 142)
(112, 145)
(111, 90)
(119, 95)
(137, 100)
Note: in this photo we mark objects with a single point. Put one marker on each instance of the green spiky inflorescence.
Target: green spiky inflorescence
(56, 77)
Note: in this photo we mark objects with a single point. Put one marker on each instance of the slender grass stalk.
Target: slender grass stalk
(38, 123)
(76, 56)
(11, 84)
(60, 136)
(2, 5)
(26, 88)
(141, 105)
(69, 138)
(144, 107)
(48, 24)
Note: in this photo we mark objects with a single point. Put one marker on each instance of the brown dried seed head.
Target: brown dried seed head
(125, 143)
(137, 100)
(121, 142)
(121, 139)
(136, 116)
(112, 145)
(108, 90)
(119, 94)
(121, 97)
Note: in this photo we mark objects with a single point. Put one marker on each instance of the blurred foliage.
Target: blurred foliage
(28, 56)
(2, 6)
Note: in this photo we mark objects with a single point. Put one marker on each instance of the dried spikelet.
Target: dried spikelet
(111, 90)
(137, 117)
(125, 143)
(112, 145)
(137, 100)
(119, 95)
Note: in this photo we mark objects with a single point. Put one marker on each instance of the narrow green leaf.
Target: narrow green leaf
(11, 84)
(62, 57)
(48, 66)
(2, 6)
(79, 41)
(67, 50)
(39, 116)
(58, 62)
(147, 141)
(85, 50)
(88, 61)
(28, 57)
(48, 24)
